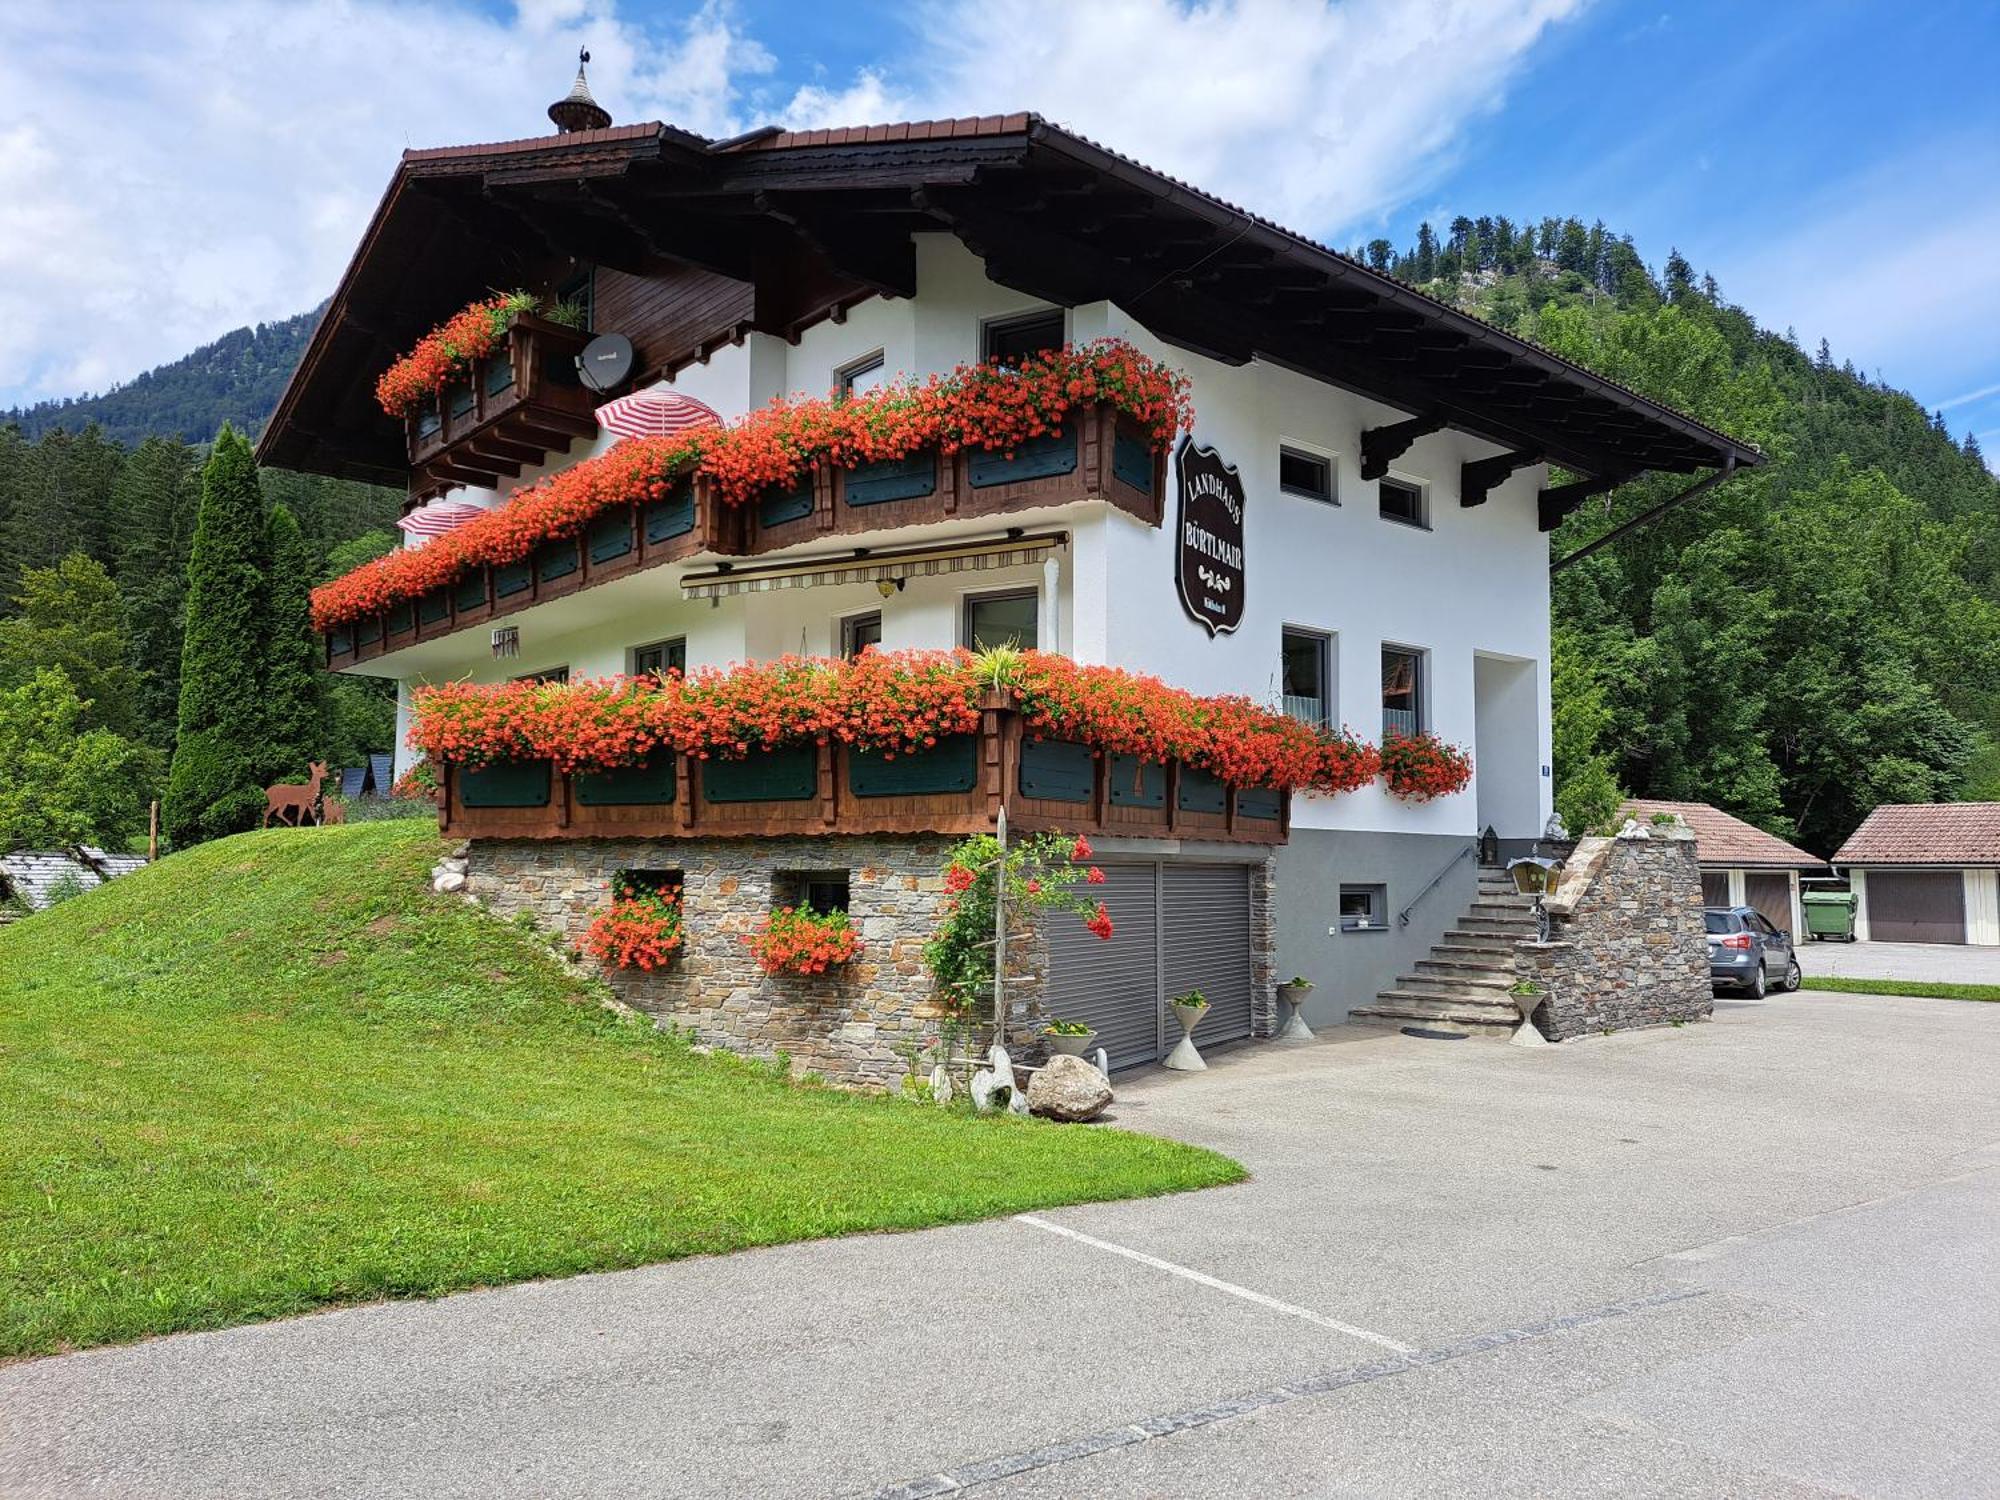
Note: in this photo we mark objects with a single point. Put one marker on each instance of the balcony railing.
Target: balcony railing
(1096, 456)
(518, 405)
(958, 788)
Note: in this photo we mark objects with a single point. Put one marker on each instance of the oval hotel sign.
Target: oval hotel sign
(1211, 538)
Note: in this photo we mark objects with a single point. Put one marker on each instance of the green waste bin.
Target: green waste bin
(1829, 914)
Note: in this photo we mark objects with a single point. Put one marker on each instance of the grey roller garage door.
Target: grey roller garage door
(1208, 944)
(1175, 928)
(1771, 895)
(1112, 984)
(1916, 906)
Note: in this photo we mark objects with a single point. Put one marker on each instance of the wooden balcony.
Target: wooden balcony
(1097, 457)
(520, 404)
(955, 789)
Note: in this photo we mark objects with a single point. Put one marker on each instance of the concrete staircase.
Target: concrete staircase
(1463, 985)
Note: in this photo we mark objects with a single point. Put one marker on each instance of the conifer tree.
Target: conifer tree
(214, 788)
(294, 693)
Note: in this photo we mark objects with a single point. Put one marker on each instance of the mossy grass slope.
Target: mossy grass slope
(276, 1073)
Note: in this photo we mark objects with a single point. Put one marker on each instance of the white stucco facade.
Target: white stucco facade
(1469, 591)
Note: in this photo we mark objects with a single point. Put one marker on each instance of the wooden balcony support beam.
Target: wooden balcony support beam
(1382, 446)
(1476, 477)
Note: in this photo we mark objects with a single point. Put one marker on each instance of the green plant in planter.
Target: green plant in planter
(1067, 1028)
(1525, 987)
(1664, 820)
(1297, 982)
(1192, 1000)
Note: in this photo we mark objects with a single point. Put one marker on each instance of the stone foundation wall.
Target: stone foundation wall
(1629, 947)
(852, 1026)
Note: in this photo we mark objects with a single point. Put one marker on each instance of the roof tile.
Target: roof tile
(1723, 839)
(1926, 833)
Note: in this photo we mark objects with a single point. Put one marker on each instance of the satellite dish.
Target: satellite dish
(606, 361)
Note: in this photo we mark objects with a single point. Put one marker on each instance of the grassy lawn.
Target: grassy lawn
(276, 1073)
(1923, 988)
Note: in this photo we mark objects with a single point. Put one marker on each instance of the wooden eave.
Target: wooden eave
(818, 220)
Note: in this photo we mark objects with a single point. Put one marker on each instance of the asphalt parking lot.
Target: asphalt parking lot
(1753, 1256)
(1942, 963)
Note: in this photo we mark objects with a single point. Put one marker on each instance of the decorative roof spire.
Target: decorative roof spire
(577, 110)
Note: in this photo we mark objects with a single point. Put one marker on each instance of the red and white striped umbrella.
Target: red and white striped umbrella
(655, 413)
(436, 520)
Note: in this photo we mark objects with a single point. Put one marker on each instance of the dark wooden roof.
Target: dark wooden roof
(1052, 214)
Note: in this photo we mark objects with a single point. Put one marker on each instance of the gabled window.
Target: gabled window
(1011, 340)
(1404, 502)
(1402, 690)
(1306, 675)
(1306, 474)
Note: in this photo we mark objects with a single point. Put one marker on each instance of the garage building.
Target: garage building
(1926, 872)
(1741, 864)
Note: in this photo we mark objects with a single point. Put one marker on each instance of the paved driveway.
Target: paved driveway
(1948, 963)
(1751, 1257)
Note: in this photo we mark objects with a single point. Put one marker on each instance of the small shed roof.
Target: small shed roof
(1724, 841)
(33, 874)
(1926, 833)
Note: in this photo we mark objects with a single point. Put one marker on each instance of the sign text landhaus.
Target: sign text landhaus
(1210, 552)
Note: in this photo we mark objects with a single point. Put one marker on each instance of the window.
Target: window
(547, 674)
(1364, 908)
(1007, 619)
(1402, 690)
(1721, 921)
(824, 891)
(660, 658)
(859, 632)
(1306, 474)
(1011, 340)
(863, 375)
(1306, 675)
(580, 293)
(1404, 502)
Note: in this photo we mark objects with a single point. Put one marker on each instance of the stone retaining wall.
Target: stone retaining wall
(847, 1025)
(1629, 947)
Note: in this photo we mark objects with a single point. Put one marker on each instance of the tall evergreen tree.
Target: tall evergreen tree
(214, 787)
(294, 682)
(154, 506)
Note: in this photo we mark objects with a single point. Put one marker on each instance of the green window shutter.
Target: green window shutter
(510, 783)
(952, 765)
(777, 507)
(1260, 803)
(471, 591)
(1136, 783)
(434, 606)
(512, 578)
(787, 774)
(1201, 791)
(1057, 771)
(1044, 457)
(628, 786)
(893, 479)
(671, 517)
(1132, 462)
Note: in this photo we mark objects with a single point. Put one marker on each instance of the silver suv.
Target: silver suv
(1746, 952)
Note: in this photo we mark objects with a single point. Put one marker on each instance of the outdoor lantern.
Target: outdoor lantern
(1533, 875)
(1489, 847)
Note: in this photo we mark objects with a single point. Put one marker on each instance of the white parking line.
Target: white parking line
(1217, 1284)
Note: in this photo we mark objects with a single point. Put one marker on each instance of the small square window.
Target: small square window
(859, 632)
(1404, 502)
(825, 891)
(1305, 474)
(578, 298)
(1306, 667)
(1011, 340)
(1364, 908)
(1402, 691)
(556, 675)
(663, 882)
(1009, 619)
(863, 375)
(660, 658)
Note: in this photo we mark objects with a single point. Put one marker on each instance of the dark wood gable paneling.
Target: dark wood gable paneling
(671, 314)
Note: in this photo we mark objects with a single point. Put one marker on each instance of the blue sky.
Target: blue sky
(181, 168)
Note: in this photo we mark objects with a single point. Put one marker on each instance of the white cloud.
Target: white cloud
(1320, 115)
(174, 170)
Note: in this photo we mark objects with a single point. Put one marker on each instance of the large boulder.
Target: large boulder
(1068, 1088)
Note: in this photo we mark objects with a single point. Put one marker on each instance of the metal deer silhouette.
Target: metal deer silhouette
(298, 801)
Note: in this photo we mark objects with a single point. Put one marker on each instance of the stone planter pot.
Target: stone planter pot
(1184, 1058)
(1295, 1028)
(1527, 1034)
(1077, 1045)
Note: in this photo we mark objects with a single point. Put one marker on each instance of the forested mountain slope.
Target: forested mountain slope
(1813, 637)
(236, 379)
